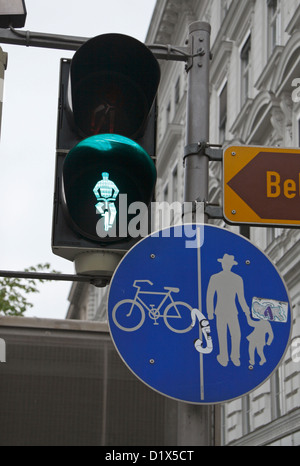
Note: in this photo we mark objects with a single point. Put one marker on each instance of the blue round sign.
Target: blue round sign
(199, 313)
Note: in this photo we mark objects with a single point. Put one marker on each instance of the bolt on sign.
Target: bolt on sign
(262, 185)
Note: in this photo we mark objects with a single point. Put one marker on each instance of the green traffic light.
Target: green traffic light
(95, 172)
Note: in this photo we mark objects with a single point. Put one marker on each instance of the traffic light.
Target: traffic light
(106, 139)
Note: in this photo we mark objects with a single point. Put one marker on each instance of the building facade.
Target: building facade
(254, 100)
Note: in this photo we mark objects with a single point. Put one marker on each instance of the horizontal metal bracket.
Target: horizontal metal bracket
(92, 279)
(63, 42)
(169, 52)
(214, 154)
(213, 151)
(214, 211)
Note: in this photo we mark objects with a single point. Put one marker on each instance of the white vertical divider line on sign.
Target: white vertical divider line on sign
(200, 308)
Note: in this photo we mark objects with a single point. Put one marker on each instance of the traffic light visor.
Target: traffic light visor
(114, 81)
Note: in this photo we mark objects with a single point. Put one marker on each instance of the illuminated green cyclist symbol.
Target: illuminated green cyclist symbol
(106, 193)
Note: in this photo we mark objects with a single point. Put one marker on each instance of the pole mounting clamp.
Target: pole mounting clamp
(213, 151)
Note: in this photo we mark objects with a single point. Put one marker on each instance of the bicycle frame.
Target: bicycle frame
(106, 208)
(138, 308)
(162, 293)
(106, 201)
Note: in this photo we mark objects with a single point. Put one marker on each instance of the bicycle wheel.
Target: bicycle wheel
(177, 317)
(128, 315)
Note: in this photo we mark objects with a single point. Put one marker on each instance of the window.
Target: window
(246, 64)
(168, 113)
(175, 184)
(164, 217)
(222, 114)
(273, 25)
(177, 91)
(166, 194)
(174, 194)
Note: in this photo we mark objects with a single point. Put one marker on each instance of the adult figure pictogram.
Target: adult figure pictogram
(227, 285)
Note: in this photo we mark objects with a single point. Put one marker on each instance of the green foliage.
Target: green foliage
(14, 291)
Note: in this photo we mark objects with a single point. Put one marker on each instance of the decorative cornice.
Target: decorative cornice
(294, 24)
(265, 78)
(287, 67)
(240, 18)
(167, 17)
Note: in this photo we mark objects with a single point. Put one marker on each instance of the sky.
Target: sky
(28, 133)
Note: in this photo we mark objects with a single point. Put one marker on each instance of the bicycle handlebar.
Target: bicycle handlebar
(108, 199)
(141, 281)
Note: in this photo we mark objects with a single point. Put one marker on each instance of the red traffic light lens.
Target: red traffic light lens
(114, 81)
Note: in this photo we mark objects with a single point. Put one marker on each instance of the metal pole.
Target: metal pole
(196, 421)
(3, 65)
(197, 122)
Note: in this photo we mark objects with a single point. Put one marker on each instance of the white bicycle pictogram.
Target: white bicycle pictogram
(129, 314)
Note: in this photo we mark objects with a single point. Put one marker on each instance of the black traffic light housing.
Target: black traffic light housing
(114, 80)
(106, 125)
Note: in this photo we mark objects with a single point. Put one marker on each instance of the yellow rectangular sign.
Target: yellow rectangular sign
(261, 185)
